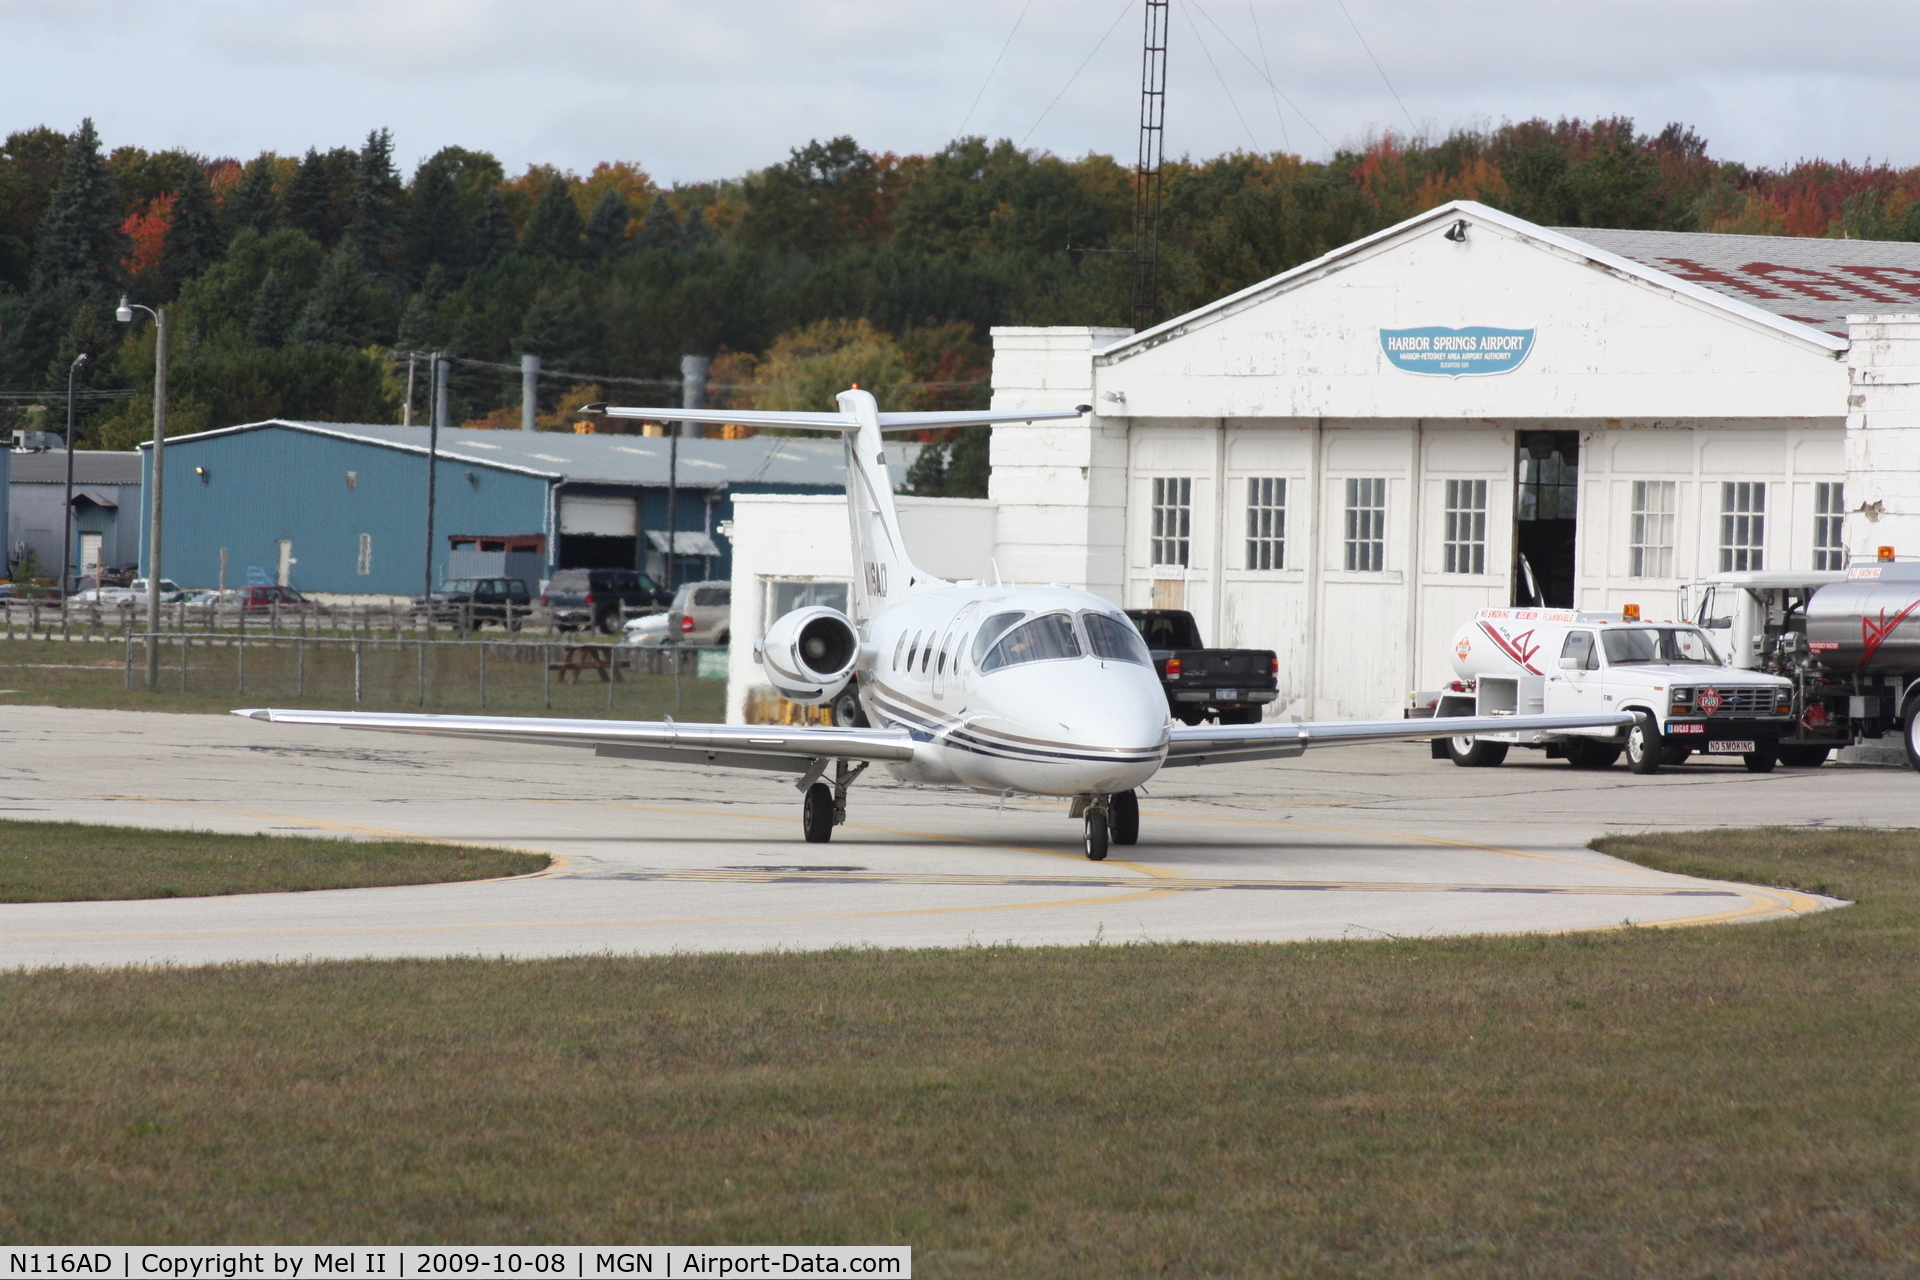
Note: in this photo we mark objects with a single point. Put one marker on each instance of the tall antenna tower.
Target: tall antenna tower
(1146, 174)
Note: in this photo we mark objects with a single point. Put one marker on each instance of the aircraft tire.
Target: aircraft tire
(816, 813)
(1123, 810)
(1645, 751)
(1470, 752)
(1585, 753)
(1096, 836)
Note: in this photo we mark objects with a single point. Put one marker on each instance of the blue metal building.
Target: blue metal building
(341, 507)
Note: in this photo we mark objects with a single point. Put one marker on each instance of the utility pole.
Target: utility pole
(406, 413)
(1146, 174)
(440, 366)
(529, 391)
(693, 395)
(158, 468)
(66, 529)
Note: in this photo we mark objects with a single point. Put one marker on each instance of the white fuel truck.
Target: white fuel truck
(1848, 641)
(1543, 661)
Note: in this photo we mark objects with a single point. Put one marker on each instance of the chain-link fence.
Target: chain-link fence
(82, 619)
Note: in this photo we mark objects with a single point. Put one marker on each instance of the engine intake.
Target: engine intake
(809, 654)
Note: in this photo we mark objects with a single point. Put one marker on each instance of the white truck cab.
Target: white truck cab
(1549, 661)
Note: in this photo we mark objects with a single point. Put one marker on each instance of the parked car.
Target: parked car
(134, 592)
(701, 613)
(262, 599)
(594, 597)
(471, 603)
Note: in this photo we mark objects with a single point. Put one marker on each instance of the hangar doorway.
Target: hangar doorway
(1545, 514)
(598, 531)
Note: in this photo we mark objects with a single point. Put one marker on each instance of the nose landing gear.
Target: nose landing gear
(825, 807)
(1110, 819)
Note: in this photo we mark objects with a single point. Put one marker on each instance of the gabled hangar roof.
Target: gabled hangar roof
(606, 459)
(1631, 255)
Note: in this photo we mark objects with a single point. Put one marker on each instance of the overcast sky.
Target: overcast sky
(712, 88)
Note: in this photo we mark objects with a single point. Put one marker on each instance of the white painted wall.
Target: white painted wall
(1883, 435)
(805, 536)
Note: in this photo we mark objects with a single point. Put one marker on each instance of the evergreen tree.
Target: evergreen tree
(376, 216)
(695, 233)
(419, 326)
(491, 236)
(267, 327)
(436, 231)
(316, 199)
(554, 228)
(339, 311)
(193, 241)
(254, 203)
(607, 226)
(557, 328)
(661, 230)
(80, 238)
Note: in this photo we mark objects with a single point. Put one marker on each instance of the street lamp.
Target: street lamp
(124, 314)
(66, 528)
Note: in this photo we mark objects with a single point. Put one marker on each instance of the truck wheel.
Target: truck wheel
(1470, 752)
(1912, 734)
(1797, 756)
(846, 709)
(1123, 817)
(1763, 760)
(1645, 751)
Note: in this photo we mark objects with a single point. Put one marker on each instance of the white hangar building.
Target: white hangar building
(1343, 462)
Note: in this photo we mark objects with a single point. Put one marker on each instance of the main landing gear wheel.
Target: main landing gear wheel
(1586, 753)
(816, 814)
(1798, 756)
(1123, 817)
(1096, 836)
(1762, 760)
(1645, 751)
(1470, 752)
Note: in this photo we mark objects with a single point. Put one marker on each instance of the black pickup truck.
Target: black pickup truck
(580, 598)
(1231, 686)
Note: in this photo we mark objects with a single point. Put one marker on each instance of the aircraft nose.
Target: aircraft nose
(1094, 705)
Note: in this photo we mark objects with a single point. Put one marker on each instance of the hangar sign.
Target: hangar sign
(1456, 353)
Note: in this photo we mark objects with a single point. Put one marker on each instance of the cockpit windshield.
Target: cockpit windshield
(1626, 646)
(1115, 639)
(1049, 636)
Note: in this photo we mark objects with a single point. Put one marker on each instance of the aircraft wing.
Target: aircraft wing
(801, 749)
(1226, 743)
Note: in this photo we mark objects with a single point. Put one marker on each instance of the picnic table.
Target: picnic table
(575, 658)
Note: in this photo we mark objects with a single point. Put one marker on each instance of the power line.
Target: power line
(1124, 6)
(995, 67)
(1377, 67)
(1263, 75)
(1267, 69)
(1231, 101)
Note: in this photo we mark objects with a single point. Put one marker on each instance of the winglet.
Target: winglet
(255, 713)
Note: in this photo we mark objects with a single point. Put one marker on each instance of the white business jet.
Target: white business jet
(1006, 690)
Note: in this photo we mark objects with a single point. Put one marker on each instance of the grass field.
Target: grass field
(219, 678)
(1728, 1102)
(69, 862)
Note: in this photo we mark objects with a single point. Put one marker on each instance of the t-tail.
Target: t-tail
(883, 572)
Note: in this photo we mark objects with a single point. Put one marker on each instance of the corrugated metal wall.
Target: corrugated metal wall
(277, 483)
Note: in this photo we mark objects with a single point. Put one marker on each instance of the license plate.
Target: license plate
(1226, 695)
(1730, 747)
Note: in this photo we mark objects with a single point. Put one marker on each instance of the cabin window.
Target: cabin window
(1651, 530)
(1466, 541)
(1042, 639)
(1743, 525)
(1172, 519)
(1829, 511)
(1366, 541)
(913, 650)
(899, 647)
(1266, 523)
(1114, 639)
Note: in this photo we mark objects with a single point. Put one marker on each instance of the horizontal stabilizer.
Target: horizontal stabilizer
(805, 421)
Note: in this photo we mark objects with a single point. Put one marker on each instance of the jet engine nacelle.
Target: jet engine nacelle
(809, 654)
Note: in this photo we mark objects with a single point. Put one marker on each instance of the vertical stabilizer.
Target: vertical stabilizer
(883, 573)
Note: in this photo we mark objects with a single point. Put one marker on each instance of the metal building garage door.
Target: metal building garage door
(598, 517)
